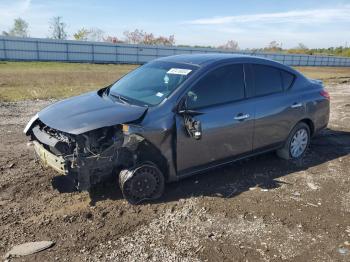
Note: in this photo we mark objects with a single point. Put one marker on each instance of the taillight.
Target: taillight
(325, 94)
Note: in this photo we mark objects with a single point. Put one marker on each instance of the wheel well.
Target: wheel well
(149, 152)
(310, 124)
(138, 150)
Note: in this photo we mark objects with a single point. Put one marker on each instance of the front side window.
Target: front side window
(222, 85)
(150, 84)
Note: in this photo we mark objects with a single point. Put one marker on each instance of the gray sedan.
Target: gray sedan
(178, 116)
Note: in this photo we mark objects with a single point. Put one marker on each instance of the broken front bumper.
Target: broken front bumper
(49, 159)
(89, 171)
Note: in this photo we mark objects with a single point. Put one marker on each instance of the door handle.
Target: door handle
(296, 105)
(241, 116)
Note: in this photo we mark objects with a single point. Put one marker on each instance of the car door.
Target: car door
(217, 102)
(277, 106)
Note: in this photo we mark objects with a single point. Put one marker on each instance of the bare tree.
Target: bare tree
(58, 28)
(301, 46)
(134, 37)
(162, 40)
(273, 46)
(230, 45)
(96, 34)
(141, 37)
(20, 28)
(112, 39)
(92, 34)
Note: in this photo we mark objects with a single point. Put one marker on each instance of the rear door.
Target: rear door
(225, 116)
(277, 107)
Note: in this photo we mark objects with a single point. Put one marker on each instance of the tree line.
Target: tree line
(57, 30)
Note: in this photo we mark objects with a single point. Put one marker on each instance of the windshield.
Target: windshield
(152, 83)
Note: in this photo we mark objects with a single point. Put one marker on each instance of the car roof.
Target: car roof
(213, 58)
(200, 59)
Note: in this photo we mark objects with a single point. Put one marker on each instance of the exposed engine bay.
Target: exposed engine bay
(91, 157)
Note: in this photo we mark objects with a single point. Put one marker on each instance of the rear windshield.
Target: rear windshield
(150, 84)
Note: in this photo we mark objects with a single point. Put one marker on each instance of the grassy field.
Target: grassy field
(327, 74)
(44, 80)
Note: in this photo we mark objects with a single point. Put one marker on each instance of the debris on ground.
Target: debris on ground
(28, 248)
(343, 250)
(312, 186)
(11, 165)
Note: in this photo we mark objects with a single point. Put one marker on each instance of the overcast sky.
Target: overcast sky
(253, 23)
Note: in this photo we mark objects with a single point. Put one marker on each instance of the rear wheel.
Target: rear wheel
(297, 142)
(145, 182)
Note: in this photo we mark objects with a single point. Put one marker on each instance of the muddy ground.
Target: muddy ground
(261, 209)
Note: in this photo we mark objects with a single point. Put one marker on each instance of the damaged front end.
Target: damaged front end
(88, 158)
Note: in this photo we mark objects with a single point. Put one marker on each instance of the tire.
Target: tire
(144, 182)
(295, 138)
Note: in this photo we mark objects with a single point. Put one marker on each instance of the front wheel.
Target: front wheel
(297, 142)
(145, 182)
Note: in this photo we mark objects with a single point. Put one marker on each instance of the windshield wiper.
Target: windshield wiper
(121, 98)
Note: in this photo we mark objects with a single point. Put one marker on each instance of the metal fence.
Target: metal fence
(37, 49)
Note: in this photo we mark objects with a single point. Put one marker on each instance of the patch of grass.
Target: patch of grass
(327, 74)
(43, 80)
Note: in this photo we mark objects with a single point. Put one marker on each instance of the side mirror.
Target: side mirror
(192, 126)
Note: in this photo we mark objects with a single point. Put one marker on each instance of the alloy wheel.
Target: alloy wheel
(299, 143)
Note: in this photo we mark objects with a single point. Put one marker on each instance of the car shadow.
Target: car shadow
(261, 171)
(63, 184)
(107, 190)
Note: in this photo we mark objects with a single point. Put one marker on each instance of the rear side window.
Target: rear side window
(287, 79)
(267, 80)
(225, 84)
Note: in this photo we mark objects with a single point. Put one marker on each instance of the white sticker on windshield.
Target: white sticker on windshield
(159, 94)
(179, 71)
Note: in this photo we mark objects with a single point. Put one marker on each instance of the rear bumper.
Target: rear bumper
(48, 159)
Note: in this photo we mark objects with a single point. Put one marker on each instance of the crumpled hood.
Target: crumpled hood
(87, 112)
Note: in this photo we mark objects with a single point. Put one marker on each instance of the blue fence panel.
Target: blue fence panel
(165, 52)
(35, 49)
(2, 48)
(104, 53)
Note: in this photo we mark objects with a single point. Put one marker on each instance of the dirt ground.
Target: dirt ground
(261, 209)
